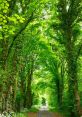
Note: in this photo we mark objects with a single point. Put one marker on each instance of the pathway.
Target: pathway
(44, 112)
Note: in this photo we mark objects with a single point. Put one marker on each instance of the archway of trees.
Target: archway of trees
(41, 55)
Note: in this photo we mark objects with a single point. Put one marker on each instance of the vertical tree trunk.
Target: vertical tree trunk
(4, 68)
(73, 87)
(14, 79)
(29, 90)
(72, 75)
(59, 88)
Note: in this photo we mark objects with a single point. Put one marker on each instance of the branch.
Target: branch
(18, 33)
(79, 51)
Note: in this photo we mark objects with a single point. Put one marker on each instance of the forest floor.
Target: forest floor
(43, 112)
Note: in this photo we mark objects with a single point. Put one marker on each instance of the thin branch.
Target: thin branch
(79, 51)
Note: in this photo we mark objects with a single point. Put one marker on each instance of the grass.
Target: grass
(33, 110)
(21, 114)
(53, 109)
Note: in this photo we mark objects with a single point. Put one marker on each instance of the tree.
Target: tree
(69, 18)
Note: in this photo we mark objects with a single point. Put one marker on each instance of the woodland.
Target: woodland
(41, 56)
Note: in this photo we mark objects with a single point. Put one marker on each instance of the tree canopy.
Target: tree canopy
(41, 55)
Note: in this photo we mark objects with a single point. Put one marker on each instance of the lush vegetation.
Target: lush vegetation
(41, 55)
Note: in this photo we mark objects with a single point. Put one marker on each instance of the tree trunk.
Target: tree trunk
(29, 91)
(4, 68)
(72, 75)
(59, 89)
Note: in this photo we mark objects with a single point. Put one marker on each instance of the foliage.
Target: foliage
(41, 55)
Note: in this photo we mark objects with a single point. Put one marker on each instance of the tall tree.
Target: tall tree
(69, 13)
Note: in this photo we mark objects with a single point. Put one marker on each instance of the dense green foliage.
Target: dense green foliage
(41, 55)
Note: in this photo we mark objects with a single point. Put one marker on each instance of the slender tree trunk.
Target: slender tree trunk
(58, 93)
(14, 78)
(29, 90)
(59, 89)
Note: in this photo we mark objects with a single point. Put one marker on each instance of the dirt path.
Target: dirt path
(32, 114)
(44, 114)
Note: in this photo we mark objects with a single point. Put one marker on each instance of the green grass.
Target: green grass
(33, 110)
(21, 115)
(53, 109)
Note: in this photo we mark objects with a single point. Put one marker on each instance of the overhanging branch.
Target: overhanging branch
(18, 33)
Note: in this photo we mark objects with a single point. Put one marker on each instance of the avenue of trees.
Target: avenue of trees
(41, 55)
